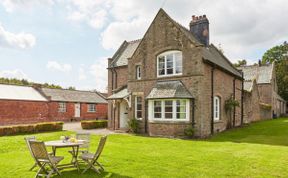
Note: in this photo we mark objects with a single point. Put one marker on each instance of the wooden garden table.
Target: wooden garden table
(75, 149)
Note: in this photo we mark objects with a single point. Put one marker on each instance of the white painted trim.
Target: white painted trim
(165, 63)
(151, 110)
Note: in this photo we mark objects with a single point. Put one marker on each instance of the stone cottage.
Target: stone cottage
(260, 80)
(171, 79)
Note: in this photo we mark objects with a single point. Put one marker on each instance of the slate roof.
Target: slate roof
(72, 95)
(213, 55)
(125, 51)
(120, 94)
(14, 92)
(262, 74)
(169, 89)
(210, 53)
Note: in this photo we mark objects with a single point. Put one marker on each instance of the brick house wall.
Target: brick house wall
(101, 112)
(196, 76)
(252, 109)
(23, 112)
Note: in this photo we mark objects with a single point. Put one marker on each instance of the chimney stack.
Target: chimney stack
(199, 27)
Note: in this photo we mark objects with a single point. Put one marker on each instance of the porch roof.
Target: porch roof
(119, 95)
(169, 89)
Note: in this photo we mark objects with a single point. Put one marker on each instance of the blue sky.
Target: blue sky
(67, 42)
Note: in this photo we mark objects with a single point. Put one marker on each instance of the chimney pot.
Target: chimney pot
(199, 27)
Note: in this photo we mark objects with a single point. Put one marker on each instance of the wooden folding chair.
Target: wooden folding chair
(84, 148)
(27, 139)
(47, 163)
(92, 159)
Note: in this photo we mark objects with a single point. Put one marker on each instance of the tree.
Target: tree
(279, 55)
(71, 88)
(240, 63)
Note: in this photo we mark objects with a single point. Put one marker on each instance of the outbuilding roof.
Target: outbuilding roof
(15, 92)
(263, 73)
(72, 95)
(120, 94)
(169, 89)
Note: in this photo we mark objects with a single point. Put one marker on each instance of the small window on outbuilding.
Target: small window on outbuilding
(62, 107)
(91, 108)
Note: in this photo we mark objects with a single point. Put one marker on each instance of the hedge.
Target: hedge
(32, 128)
(94, 124)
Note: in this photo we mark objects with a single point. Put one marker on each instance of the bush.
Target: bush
(133, 125)
(33, 128)
(94, 124)
(189, 131)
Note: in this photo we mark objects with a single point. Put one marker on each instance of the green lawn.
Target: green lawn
(259, 150)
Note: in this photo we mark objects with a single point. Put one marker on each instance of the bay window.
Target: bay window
(169, 109)
(169, 63)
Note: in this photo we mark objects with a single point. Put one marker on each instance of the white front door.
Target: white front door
(77, 109)
(123, 115)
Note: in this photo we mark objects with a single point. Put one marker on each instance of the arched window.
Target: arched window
(169, 63)
(217, 106)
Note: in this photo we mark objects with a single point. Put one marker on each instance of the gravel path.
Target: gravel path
(76, 127)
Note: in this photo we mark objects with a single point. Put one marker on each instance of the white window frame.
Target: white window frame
(165, 54)
(62, 107)
(151, 110)
(138, 72)
(91, 109)
(137, 109)
(217, 108)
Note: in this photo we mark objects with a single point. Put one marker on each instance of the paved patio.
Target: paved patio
(76, 127)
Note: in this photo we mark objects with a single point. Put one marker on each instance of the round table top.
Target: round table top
(60, 143)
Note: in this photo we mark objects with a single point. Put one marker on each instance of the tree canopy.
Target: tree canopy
(279, 55)
(24, 82)
(240, 63)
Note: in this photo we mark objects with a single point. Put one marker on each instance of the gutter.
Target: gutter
(234, 108)
(242, 100)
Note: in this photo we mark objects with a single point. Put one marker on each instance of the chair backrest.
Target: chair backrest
(27, 139)
(39, 151)
(100, 147)
(84, 136)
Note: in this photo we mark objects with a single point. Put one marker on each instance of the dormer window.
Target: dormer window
(169, 63)
(138, 72)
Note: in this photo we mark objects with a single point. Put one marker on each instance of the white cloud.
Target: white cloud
(24, 5)
(16, 73)
(99, 74)
(16, 40)
(55, 66)
(82, 74)
(92, 12)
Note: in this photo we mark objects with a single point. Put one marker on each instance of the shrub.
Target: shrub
(189, 131)
(23, 129)
(133, 125)
(94, 124)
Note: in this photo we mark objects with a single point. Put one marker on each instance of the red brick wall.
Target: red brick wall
(101, 111)
(23, 112)
(61, 116)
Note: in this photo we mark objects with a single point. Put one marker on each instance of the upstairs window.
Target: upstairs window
(62, 107)
(91, 108)
(169, 63)
(138, 72)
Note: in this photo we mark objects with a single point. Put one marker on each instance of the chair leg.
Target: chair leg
(88, 166)
(35, 164)
(95, 169)
(101, 167)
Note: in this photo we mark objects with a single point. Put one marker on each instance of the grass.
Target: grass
(259, 150)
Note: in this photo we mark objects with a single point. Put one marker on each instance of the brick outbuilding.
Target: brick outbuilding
(23, 105)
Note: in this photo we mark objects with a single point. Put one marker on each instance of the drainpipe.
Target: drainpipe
(146, 117)
(242, 100)
(234, 108)
(193, 111)
(212, 99)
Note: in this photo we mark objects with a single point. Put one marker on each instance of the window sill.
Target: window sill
(167, 76)
(169, 121)
(219, 121)
(139, 119)
(91, 111)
